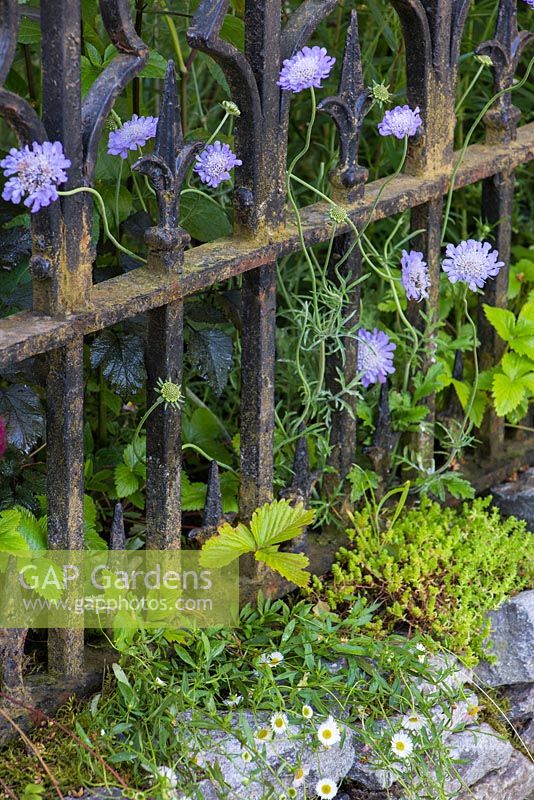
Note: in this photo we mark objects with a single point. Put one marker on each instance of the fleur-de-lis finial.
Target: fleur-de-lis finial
(348, 109)
(166, 169)
(505, 51)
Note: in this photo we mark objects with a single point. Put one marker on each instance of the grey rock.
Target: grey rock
(527, 735)
(515, 781)
(274, 772)
(516, 498)
(521, 700)
(480, 750)
(512, 637)
(99, 794)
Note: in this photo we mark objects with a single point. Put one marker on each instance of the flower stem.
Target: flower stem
(102, 209)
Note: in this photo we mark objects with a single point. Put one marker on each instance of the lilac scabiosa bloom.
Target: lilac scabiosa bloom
(400, 121)
(471, 262)
(415, 277)
(305, 69)
(375, 356)
(215, 162)
(35, 172)
(530, 3)
(133, 134)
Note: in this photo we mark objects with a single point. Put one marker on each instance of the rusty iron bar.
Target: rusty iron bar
(28, 333)
(501, 122)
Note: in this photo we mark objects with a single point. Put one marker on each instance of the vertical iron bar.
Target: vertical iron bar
(344, 425)
(258, 303)
(64, 436)
(71, 283)
(258, 294)
(164, 430)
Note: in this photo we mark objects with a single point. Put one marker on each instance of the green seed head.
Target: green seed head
(381, 93)
(485, 60)
(171, 392)
(338, 215)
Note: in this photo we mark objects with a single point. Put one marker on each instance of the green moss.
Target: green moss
(437, 570)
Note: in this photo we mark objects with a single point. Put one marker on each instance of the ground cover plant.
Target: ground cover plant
(412, 568)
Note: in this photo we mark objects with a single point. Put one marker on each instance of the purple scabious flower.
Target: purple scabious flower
(415, 277)
(305, 69)
(471, 262)
(530, 3)
(375, 356)
(133, 134)
(215, 162)
(34, 173)
(400, 121)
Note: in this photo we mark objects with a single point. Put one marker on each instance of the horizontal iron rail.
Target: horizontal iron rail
(28, 333)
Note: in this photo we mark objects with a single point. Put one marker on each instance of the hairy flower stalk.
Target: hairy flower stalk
(132, 135)
(306, 69)
(471, 262)
(400, 121)
(375, 356)
(34, 173)
(415, 276)
(213, 165)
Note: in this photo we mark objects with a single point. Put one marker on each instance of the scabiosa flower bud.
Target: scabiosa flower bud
(133, 134)
(415, 277)
(471, 262)
(35, 172)
(375, 356)
(214, 164)
(305, 69)
(3, 437)
(231, 108)
(400, 121)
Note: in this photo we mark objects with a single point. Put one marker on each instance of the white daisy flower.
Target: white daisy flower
(329, 733)
(307, 712)
(402, 745)
(279, 723)
(422, 652)
(299, 777)
(272, 659)
(169, 775)
(413, 721)
(159, 682)
(233, 700)
(199, 759)
(263, 735)
(326, 788)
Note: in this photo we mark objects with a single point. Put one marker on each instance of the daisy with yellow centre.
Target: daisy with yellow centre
(279, 723)
(263, 735)
(299, 777)
(307, 712)
(402, 745)
(413, 721)
(326, 788)
(329, 733)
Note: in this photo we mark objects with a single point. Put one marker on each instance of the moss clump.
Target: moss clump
(438, 570)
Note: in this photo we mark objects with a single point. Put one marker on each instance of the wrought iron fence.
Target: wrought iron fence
(67, 306)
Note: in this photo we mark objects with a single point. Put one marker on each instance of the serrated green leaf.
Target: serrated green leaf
(226, 546)
(507, 393)
(32, 529)
(11, 539)
(278, 522)
(291, 566)
(121, 357)
(126, 481)
(502, 320)
(211, 353)
(23, 414)
(193, 494)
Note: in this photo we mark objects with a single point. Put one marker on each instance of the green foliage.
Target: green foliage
(270, 526)
(121, 358)
(21, 530)
(513, 380)
(438, 570)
